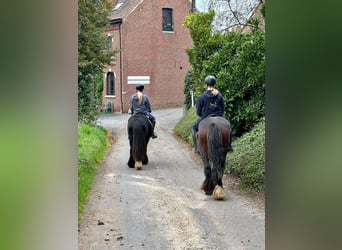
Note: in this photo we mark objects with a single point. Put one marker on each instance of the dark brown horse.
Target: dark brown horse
(213, 140)
(139, 130)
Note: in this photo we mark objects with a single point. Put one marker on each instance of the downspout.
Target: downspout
(120, 68)
(193, 6)
(119, 21)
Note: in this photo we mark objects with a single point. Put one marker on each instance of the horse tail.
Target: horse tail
(216, 153)
(139, 141)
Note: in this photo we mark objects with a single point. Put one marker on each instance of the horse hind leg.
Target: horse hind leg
(145, 159)
(207, 185)
(138, 165)
(131, 161)
(219, 193)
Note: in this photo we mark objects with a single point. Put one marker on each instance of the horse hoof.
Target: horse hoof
(138, 165)
(219, 193)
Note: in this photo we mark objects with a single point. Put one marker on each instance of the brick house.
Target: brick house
(152, 43)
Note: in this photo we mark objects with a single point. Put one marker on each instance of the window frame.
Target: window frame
(167, 20)
(109, 43)
(110, 86)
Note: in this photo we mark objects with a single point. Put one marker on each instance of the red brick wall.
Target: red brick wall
(148, 51)
(115, 100)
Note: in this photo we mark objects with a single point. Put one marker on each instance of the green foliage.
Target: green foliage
(188, 82)
(248, 159)
(99, 87)
(204, 44)
(263, 10)
(184, 126)
(92, 53)
(240, 70)
(86, 99)
(238, 62)
(92, 145)
(254, 22)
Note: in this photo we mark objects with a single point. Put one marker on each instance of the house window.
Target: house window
(167, 19)
(110, 83)
(109, 43)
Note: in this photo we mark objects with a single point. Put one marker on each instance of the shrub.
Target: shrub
(188, 87)
(184, 126)
(240, 70)
(248, 159)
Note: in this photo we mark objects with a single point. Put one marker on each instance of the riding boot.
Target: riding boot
(154, 135)
(193, 133)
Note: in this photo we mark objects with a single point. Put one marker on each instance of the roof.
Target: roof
(124, 8)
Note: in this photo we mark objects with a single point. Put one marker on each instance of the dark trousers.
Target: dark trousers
(195, 127)
(152, 119)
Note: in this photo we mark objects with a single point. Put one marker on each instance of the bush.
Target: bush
(188, 82)
(240, 70)
(184, 126)
(248, 159)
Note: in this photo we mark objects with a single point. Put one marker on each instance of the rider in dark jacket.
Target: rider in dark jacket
(210, 103)
(139, 103)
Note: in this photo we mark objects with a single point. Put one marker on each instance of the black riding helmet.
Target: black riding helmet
(210, 80)
(139, 87)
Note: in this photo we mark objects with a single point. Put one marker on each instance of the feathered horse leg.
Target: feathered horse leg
(207, 185)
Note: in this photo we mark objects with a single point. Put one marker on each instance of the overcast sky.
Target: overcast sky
(200, 5)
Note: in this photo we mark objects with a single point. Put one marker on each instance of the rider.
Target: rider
(139, 103)
(209, 103)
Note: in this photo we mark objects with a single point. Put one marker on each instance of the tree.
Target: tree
(230, 14)
(238, 62)
(93, 55)
(204, 44)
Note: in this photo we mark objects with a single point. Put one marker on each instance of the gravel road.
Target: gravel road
(162, 206)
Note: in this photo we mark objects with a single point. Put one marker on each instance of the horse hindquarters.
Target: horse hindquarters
(139, 132)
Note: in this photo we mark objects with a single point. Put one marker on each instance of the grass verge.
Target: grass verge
(184, 126)
(92, 146)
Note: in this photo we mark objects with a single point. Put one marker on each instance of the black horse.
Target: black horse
(139, 130)
(213, 139)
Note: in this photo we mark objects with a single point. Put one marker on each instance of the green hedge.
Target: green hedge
(184, 126)
(248, 159)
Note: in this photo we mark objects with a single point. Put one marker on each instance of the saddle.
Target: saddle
(148, 118)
